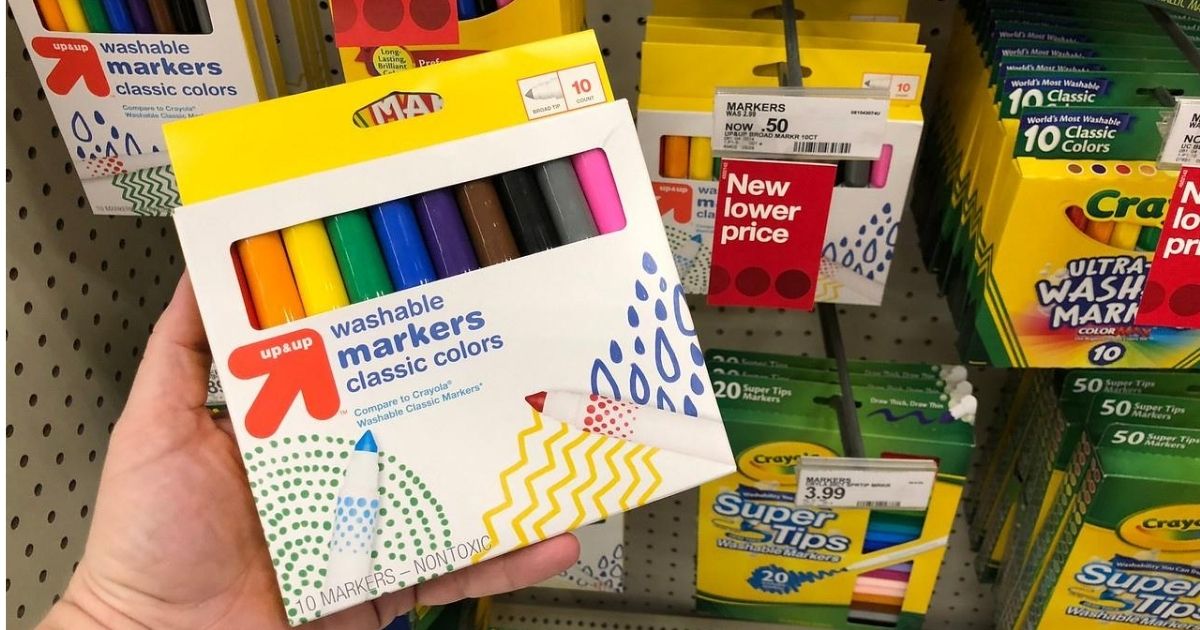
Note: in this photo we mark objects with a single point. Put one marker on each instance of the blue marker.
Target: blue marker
(403, 248)
(358, 503)
(467, 9)
(119, 17)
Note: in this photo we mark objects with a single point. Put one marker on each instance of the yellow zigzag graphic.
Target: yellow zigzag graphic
(577, 496)
(534, 502)
(508, 497)
(555, 508)
(627, 468)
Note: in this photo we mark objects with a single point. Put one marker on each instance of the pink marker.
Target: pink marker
(880, 167)
(698, 437)
(500, 4)
(600, 190)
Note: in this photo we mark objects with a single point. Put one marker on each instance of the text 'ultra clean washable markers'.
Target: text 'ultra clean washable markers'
(353, 538)
(359, 259)
(269, 276)
(403, 247)
(486, 224)
(526, 211)
(627, 421)
(445, 234)
(564, 199)
(600, 190)
(314, 267)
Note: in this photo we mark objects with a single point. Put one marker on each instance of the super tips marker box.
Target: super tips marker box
(459, 332)
(114, 73)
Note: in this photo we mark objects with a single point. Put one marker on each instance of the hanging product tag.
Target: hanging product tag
(1171, 296)
(895, 484)
(769, 229)
(1182, 140)
(802, 123)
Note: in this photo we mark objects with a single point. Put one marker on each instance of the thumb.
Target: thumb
(173, 375)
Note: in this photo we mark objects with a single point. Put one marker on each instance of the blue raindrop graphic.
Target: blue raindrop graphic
(640, 291)
(614, 351)
(887, 208)
(689, 407)
(679, 304)
(848, 258)
(116, 135)
(829, 251)
(98, 116)
(633, 317)
(891, 237)
(664, 357)
(697, 355)
(648, 263)
(607, 386)
(639, 387)
(664, 401)
(638, 346)
(80, 128)
(870, 252)
(696, 384)
(131, 145)
(660, 310)
(662, 284)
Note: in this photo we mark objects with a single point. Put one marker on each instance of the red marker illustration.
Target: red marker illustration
(645, 425)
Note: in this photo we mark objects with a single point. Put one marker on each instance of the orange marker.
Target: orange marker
(674, 157)
(269, 276)
(52, 15)
(1100, 230)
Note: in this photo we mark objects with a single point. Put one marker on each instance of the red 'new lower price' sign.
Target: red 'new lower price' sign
(770, 228)
(1172, 293)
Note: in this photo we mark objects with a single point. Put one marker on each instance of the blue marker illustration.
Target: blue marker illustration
(354, 521)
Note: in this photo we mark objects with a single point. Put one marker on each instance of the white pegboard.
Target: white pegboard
(84, 290)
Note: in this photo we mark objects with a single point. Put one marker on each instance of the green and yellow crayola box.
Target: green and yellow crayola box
(1128, 552)
(761, 557)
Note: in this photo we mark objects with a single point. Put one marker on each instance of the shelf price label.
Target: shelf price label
(800, 122)
(1171, 296)
(894, 484)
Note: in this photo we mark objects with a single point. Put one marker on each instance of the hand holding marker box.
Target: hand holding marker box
(441, 362)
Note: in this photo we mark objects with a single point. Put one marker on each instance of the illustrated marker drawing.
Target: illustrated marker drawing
(354, 520)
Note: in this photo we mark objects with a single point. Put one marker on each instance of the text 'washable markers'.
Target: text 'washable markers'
(700, 158)
(626, 421)
(314, 267)
(358, 256)
(445, 234)
(526, 211)
(118, 16)
(486, 223)
(353, 538)
(403, 247)
(564, 199)
(269, 276)
(673, 157)
(600, 190)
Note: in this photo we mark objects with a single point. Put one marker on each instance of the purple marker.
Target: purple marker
(445, 233)
(143, 20)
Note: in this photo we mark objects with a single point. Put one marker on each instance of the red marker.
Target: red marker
(698, 437)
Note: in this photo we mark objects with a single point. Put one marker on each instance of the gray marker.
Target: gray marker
(564, 198)
(857, 173)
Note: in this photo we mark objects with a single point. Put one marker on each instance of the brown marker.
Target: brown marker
(486, 223)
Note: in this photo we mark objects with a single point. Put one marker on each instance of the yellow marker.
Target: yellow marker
(674, 159)
(700, 162)
(72, 11)
(1100, 230)
(315, 267)
(1125, 235)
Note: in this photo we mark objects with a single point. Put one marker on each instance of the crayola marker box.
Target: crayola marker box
(515, 23)
(381, 299)
(764, 558)
(1126, 552)
(113, 80)
(675, 124)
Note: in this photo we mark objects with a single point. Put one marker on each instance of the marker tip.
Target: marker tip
(537, 401)
(367, 443)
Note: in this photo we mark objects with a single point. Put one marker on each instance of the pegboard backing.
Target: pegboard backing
(83, 291)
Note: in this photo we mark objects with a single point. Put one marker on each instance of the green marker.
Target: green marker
(97, 20)
(358, 256)
(1147, 240)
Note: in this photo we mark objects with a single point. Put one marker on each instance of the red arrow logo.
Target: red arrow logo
(77, 59)
(295, 364)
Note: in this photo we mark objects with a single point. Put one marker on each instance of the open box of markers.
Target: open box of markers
(450, 350)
